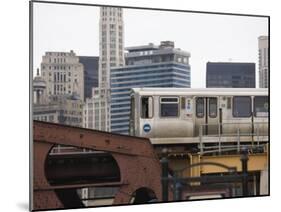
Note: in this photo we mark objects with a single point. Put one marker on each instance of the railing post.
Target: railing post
(177, 190)
(200, 137)
(219, 137)
(164, 179)
(244, 162)
(238, 139)
(258, 134)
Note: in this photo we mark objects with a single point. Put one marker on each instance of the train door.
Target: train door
(206, 115)
(260, 115)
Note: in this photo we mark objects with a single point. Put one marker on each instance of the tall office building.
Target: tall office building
(111, 46)
(230, 75)
(63, 74)
(146, 66)
(263, 61)
(91, 67)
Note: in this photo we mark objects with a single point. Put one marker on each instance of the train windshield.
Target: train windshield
(132, 116)
(146, 107)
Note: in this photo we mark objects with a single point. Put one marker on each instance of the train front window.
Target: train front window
(200, 107)
(169, 106)
(242, 106)
(261, 106)
(132, 116)
(146, 107)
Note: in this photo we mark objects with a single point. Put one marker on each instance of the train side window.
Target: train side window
(261, 106)
(242, 106)
(146, 107)
(213, 107)
(200, 107)
(169, 106)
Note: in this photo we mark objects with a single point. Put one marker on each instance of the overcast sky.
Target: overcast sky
(215, 38)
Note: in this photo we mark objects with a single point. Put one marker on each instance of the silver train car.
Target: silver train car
(184, 114)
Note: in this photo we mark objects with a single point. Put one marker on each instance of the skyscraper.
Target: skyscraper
(230, 75)
(63, 74)
(91, 66)
(146, 66)
(111, 44)
(263, 61)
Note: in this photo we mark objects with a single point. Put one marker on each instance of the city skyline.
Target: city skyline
(156, 94)
(223, 38)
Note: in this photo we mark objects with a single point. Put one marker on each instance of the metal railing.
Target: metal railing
(232, 136)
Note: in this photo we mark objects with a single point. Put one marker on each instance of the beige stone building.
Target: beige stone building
(111, 50)
(65, 110)
(263, 62)
(63, 74)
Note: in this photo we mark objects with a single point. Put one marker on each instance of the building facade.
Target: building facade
(230, 75)
(91, 75)
(65, 110)
(263, 61)
(146, 66)
(39, 89)
(63, 74)
(111, 45)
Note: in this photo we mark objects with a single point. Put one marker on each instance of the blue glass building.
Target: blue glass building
(231, 75)
(91, 74)
(146, 66)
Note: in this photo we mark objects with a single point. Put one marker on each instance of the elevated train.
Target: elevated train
(185, 115)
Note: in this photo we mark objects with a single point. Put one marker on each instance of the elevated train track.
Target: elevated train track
(137, 163)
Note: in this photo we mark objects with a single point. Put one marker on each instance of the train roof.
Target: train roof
(202, 91)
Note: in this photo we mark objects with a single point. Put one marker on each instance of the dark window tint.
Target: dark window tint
(200, 107)
(241, 106)
(132, 116)
(261, 105)
(146, 107)
(213, 107)
(169, 107)
(182, 102)
(228, 102)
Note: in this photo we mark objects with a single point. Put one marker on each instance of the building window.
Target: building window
(200, 105)
(169, 106)
(242, 106)
(261, 106)
(213, 107)
(146, 107)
